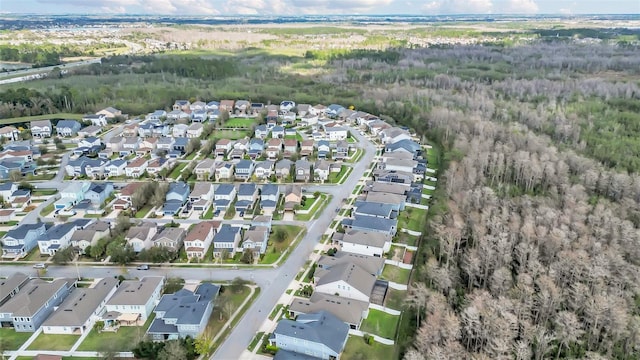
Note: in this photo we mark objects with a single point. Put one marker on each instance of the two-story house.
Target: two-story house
(170, 238)
(244, 169)
(227, 239)
(155, 166)
(41, 128)
(67, 127)
(139, 236)
(72, 194)
(261, 132)
(180, 130)
(303, 170)
(223, 146)
(263, 169)
(255, 238)
(176, 197)
(89, 236)
(99, 192)
(21, 239)
(201, 197)
(306, 148)
(124, 198)
(274, 148)
(283, 169)
(224, 170)
(135, 299)
(136, 167)
(55, 238)
(195, 130)
(321, 170)
(115, 168)
(247, 197)
(269, 197)
(224, 196)
(199, 238)
(205, 169)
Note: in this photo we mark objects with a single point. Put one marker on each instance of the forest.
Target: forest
(532, 248)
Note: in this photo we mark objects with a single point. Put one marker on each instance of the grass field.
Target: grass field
(44, 192)
(275, 249)
(215, 323)
(125, 339)
(53, 342)
(396, 274)
(23, 119)
(227, 134)
(381, 324)
(357, 349)
(12, 339)
(412, 219)
(239, 123)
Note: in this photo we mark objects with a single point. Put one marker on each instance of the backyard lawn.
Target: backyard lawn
(239, 123)
(356, 348)
(404, 238)
(412, 219)
(125, 339)
(396, 274)
(13, 339)
(54, 342)
(381, 324)
(395, 299)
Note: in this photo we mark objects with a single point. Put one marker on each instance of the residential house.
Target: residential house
(6, 189)
(336, 133)
(72, 194)
(288, 118)
(224, 171)
(365, 242)
(9, 133)
(283, 168)
(136, 167)
(376, 126)
(256, 147)
(126, 193)
(156, 165)
(347, 280)
(349, 311)
(372, 224)
(223, 196)
(11, 285)
(244, 169)
(35, 301)
(41, 128)
(227, 238)
(183, 313)
(371, 264)
(130, 145)
(20, 199)
(321, 170)
(287, 105)
(226, 105)
(256, 109)
(170, 238)
(90, 142)
(19, 241)
(175, 198)
(199, 116)
(75, 315)
(307, 147)
(272, 118)
(15, 166)
(342, 150)
(346, 114)
(303, 170)
(85, 166)
(247, 197)
(139, 236)
(109, 113)
(158, 115)
(263, 169)
(180, 130)
(309, 119)
(290, 147)
(277, 132)
(115, 168)
(55, 238)
(165, 143)
(269, 197)
(115, 144)
(334, 110)
(387, 187)
(199, 238)
(90, 131)
(201, 196)
(67, 127)
(183, 105)
(274, 148)
(134, 300)
(324, 149)
(180, 144)
(395, 177)
(197, 106)
(367, 208)
(99, 192)
(292, 197)
(393, 135)
(319, 335)
(131, 130)
(212, 105)
(223, 146)
(396, 200)
(205, 169)
(195, 130)
(145, 130)
(304, 109)
(408, 146)
(256, 238)
(90, 235)
(95, 119)
(242, 107)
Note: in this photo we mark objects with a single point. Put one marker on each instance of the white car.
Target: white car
(40, 266)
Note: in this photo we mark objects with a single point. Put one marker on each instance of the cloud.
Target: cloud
(458, 7)
(338, 6)
(521, 7)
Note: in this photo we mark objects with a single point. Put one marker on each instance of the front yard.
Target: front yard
(381, 324)
(53, 342)
(140, 214)
(341, 176)
(12, 340)
(314, 207)
(275, 247)
(357, 349)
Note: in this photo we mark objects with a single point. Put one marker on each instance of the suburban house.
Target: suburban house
(261, 132)
(256, 147)
(157, 115)
(136, 167)
(212, 105)
(67, 127)
(72, 194)
(115, 144)
(244, 169)
(269, 197)
(321, 170)
(336, 133)
(309, 119)
(199, 238)
(307, 147)
(227, 238)
(75, 315)
(134, 300)
(83, 238)
(11, 285)
(177, 115)
(33, 304)
(303, 170)
(96, 119)
(199, 116)
(371, 264)
(139, 236)
(393, 135)
(277, 132)
(247, 197)
(395, 177)
(197, 105)
(349, 311)
(224, 171)
(366, 208)
(290, 147)
(7, 189)
(89, 131)
(21, 239)
(180, 130)
(130, 145)
(226, 105)
(183, 105)
(347, 280)
(364, 242)
(223, 146)
(408, 146)
(255, 239)
(130, 130)
(396, 200)
(79, 166)
(195, 130)
(324, 149)
(148, 145)
(99, 192)
(372, 224)
(292, 197)
(242, 107)
(201, 196)
(283, 168)
(205, 169)
(274, 148)
(256, 109)
(41, 128)
(263, 169)
(10, 133)
(341, 150)
(319, 335)
(170, 238)
(124, 198)
(176, 196)
(110, 112)
(223, 196)
(156, 165)
(183, 313)
(165, 143)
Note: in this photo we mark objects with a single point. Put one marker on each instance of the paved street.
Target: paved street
(272, 281)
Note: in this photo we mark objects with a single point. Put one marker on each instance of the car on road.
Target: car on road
(40, 266)
(143, 267)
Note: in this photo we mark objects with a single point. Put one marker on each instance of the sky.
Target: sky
(312, 7)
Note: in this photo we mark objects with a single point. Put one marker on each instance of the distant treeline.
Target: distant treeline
(386, 56)
(38, 56)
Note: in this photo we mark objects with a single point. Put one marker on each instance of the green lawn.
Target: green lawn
(47, 210)
(239, 123)
(192, 155)
(315, 207)
(12, 339)
(412, 219)
(404, 238)
(125, 339)
(209, 214)
(396, 274)
(357, 349)
(227, 134)
(381, 324)
(18, 120)
(54, 342)
(44, 192)
(215, 322)
(395, 299)
(177, 170)
(356, 156)
(335, 177)
(275, 249)
(143, 212)
(274, 312)
(256, 340)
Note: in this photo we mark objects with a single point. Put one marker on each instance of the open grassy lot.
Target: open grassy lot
(275, 248)
(13, 340)
(218, 317)
(227, 134)
(23, 119)
(239, 123)
(381, 324)
(356, 348)
(125, 339)
(53, 342)
(412, 219)
(396, 274)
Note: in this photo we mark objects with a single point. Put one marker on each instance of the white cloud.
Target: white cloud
(521, 7)
(458, 7)
(338, 6)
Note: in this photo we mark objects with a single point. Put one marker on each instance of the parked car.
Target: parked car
(143, 267)
(40, 266)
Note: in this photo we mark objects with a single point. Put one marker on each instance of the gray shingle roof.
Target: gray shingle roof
(246, 189)
(321, 327)
(348, 310)
(33, 296)
(373, 208)
(224, 189)
(21, 231)
(352, 274)
(365, 238)
(227, 233)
